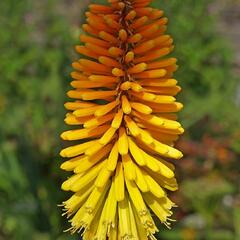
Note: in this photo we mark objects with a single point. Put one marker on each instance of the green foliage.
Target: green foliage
(36, 41)
(34, 57)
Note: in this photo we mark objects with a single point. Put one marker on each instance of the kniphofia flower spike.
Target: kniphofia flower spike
(124, 124)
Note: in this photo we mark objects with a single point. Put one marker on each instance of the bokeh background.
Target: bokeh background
(36, 51)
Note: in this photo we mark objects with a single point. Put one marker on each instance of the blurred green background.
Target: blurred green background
(36, 51)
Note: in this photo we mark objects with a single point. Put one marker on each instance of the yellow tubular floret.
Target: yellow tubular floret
(113, 158)
(124, 219)
(132, 126)
(136, 197)
(123, 124)
(154, 187)
(136, 153)
(140, 180)
(88, 161)
(76, 150)
(126, 107)
(94, 197)
(133, 224)
(122, 142)
(87, 178)
(117, 119)
(98, 121)
(110, 217)
(119, 183)
(129, 169)
(84, 133)
(104, 109)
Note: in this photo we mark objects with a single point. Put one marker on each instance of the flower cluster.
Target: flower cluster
(124, 122)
